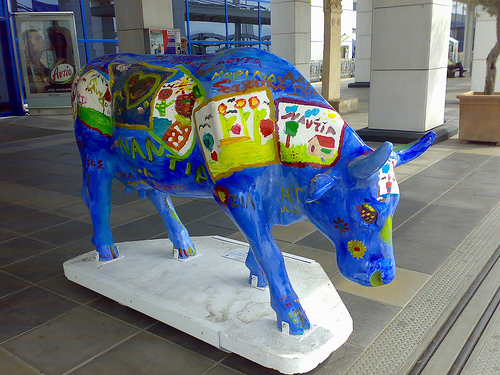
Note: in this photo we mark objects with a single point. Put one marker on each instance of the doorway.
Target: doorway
(10, 98)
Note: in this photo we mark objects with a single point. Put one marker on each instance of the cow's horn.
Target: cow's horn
(407, 153)
(366, 166)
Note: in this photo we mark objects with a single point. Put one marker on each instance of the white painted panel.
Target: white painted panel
(400, 37)
(399, 100)
(364, 24)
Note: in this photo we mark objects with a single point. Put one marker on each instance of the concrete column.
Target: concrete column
(363, 44)
(484, 41)
(331, 50)
(291, 32)
(133, 16)
(408, 64)
(470, 23)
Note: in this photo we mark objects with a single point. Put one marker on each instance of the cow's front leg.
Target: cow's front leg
(177, 232)
(267, 255)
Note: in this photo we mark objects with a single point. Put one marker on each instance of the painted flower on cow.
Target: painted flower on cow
(222, 108)
(356, 248)
(253, 102)
(240, 103)
(341, 225)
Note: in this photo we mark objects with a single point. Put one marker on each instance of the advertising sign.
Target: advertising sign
(164, 42)
(49, 57)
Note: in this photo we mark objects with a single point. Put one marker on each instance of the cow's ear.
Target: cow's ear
(366, 166)
(319, 185)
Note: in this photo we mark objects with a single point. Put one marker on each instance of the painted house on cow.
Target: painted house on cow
(321, 146)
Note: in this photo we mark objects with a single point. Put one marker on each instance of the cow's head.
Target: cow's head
(353, 206)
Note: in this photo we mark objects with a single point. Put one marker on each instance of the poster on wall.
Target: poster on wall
(164, 41)
(49, 57)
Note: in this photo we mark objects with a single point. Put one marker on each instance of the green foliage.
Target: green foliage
(490, 6)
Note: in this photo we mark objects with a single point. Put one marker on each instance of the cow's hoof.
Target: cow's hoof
(107, 252)
(258, 280)
(293, 314)
(182, 253)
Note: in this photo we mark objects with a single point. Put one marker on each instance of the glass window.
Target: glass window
(215, 25)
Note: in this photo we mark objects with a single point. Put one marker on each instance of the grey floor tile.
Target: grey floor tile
(61, 285)
(293, 232)
(464, 217)
(491, 166)
(13, 192)
(326, 259)
(10, 284)
(131, 211)
(481, 177)
(317, 240)
(219, 219)
(142, 229)
(369, 317)
(466, 202)
(47, 200)
(439, 234)
(197, 228)
(424, 188)
(40, 267)
(473, 188)
(20, 248)
(67, 341)
(195, 210)
(64, 233)
(442, 171)
(81, 246)
(10, 365)
(419, 256)
(149, 355)
(186, 341)
(13, 212)
(121, 312)
(28, 308)
(339, 361)
(222, 370)
(33, 222)
(407, 208)
(73, 211)
(246, 366)
(6, 235)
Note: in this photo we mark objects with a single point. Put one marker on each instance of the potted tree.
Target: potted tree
(480, 111)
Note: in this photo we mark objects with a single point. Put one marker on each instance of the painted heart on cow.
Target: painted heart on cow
(140, 86)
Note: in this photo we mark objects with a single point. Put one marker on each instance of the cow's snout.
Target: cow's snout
(384, 273)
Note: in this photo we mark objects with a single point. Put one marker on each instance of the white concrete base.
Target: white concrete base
(208, 296)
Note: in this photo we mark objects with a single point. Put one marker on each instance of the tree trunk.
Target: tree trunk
(491, 61)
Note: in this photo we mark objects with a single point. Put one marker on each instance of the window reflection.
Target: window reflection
(248, 24)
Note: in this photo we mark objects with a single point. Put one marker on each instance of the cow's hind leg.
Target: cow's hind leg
(177, 232)
(97, 181)
(255, 271)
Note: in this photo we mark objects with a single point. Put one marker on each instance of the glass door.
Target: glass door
(10, 98)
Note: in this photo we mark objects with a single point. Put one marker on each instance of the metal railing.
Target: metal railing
(346, 69)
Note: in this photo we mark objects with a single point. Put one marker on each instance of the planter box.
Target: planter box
(479, 117)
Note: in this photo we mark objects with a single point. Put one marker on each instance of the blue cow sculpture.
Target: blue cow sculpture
(244, 127)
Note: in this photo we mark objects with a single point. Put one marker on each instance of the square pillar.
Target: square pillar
(291, 32)
(133, 16)
(363, 42)
(408, 64)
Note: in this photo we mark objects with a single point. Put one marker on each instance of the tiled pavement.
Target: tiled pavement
(50, 325)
